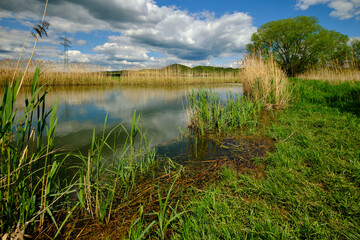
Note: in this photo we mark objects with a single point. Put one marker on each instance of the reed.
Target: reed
(264, 82)
(178, 74)
(333, 74)
(208, 114)
(102, 180)
(29, 180)
(55, 73)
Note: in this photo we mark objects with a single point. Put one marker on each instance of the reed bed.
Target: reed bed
(334, 74)
(265, 82)
(55, 73)
(208, 114)
(177, 75)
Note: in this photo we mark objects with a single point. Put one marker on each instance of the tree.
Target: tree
(297, 43)
(355, 48)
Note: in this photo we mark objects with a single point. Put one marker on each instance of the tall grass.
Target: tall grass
(55, 73)
(29, 180)
(334, 74)
(177, 75)
(264, 82)
(102, 180)
(207, 113)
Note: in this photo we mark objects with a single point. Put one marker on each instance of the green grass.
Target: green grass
(208, 114)
(310, 187)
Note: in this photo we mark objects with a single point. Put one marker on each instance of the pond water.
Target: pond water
(162, 109)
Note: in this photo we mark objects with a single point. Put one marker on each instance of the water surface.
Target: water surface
(162, 110)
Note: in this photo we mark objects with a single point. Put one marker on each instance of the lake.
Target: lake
(163, 111)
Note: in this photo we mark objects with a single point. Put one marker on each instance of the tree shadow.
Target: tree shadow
(348, 101)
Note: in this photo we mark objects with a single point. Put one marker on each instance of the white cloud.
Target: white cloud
(139, 28)
(11, 47)
(77, 56)
(342, 9)
(120, 49)
(81, 42)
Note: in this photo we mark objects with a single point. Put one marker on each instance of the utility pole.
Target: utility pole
(66, 43)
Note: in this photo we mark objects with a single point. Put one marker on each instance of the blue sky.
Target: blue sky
(127, 34)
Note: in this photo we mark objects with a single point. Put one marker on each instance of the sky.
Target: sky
(133, 34)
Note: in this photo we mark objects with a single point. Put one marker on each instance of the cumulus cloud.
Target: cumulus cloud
(12, 41)
(342, 9)
(140, 27)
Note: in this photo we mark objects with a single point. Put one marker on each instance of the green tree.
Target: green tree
(355, 48)
(297, 43)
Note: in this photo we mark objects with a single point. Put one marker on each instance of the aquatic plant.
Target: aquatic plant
(207, 113)
(29, 181)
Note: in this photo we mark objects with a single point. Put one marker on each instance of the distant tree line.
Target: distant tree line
(299, 43)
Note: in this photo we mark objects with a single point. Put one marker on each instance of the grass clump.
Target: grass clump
(264, 82)
(207, 113)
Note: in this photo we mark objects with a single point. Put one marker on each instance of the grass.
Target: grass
(208, 114)
(334, 74)
(29, 180)
(264, 82)
(310, 187)
(55, 73)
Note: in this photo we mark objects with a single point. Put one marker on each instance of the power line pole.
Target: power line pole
(66, 43)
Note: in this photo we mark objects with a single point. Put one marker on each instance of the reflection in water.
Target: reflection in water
(81, 109)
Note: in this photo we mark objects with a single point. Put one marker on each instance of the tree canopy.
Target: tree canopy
(297, 43)
(355, 48)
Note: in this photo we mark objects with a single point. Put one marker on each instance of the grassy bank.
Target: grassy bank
(310, 185)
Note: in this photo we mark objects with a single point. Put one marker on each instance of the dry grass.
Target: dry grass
(54, 73)
(265, 82)
(335, 74)
(176, 76)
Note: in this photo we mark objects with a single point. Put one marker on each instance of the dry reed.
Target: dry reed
(177, 75)
(335, 74)
(265, 82)
(55, 73)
